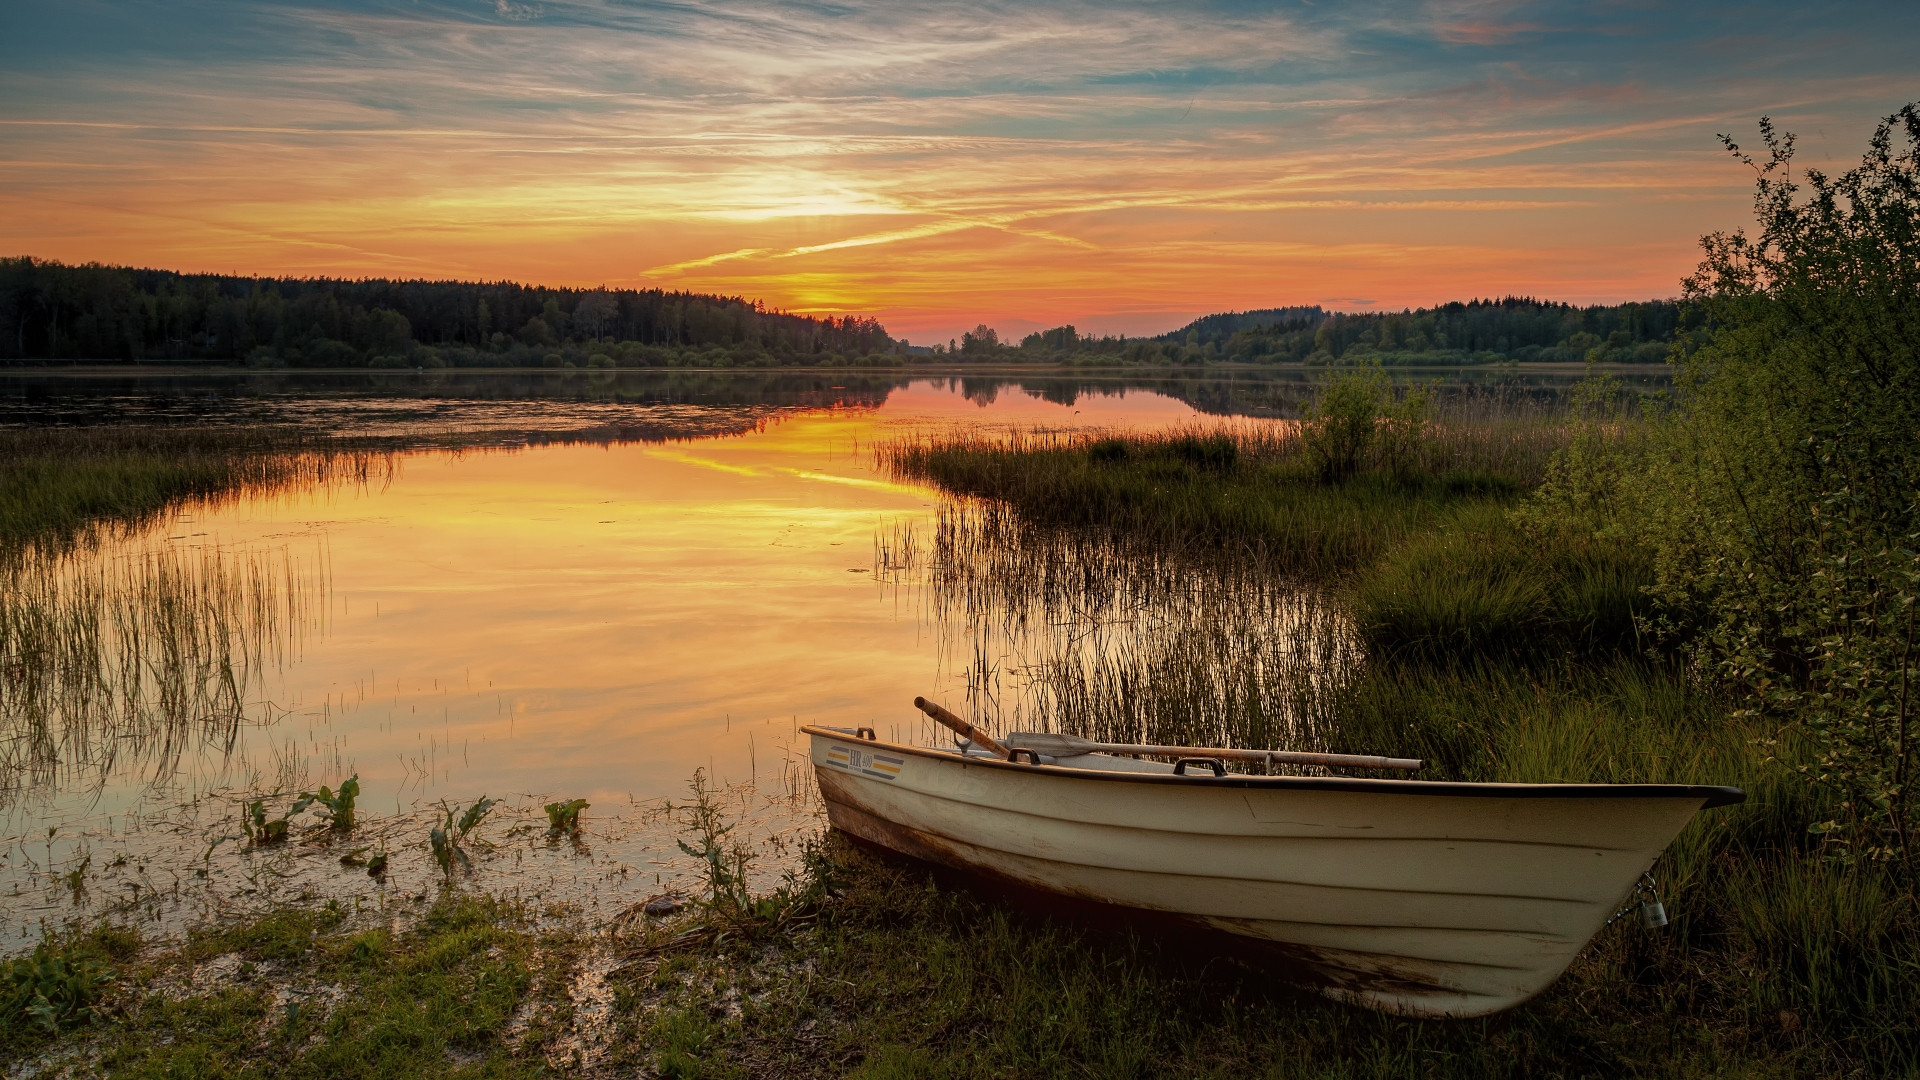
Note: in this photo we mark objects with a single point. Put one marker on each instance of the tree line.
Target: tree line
(50, 310)
(53, 311)
(1474, 331)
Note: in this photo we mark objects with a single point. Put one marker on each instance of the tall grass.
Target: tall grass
(127, 660)
(1088, 633)
(59, 484)
(1248, 487)
(1481, 584)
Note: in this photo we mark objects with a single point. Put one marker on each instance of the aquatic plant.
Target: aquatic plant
(448, 839)
(563, 818)
(261, 829)
(136, 658)
(723, 860)
(337, 806)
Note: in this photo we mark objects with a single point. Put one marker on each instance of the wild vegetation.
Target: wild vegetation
(57, 483)
(865, 967)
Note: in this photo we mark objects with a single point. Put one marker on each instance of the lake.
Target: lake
(612, 581)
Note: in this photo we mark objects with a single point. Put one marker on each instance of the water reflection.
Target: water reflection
(132, 666)
(523, 403)
(573, 619)
(1089, 633)
(620, 579)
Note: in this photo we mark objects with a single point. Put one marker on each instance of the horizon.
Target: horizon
(772, 309)
(1121, 169)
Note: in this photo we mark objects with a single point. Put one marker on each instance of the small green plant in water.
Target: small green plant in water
(449, 838)
(77, 879)
(263, 830)
(724, 859)
(337, 806)
(563, 818)
(48, 991)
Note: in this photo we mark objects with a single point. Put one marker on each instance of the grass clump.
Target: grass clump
(307, 996)
(60, 985)
(56, 483)
(1214, 487)
(1482, 584)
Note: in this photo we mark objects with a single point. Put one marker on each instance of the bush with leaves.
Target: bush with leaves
(1780, 494)
(1340, 425)
(1357, 420)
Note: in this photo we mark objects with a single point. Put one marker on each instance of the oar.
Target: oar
(962, 728)
(1070, 746)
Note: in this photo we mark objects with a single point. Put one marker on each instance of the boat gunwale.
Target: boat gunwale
(1712, 795)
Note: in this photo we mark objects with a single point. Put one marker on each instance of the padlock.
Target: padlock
(1653, 915)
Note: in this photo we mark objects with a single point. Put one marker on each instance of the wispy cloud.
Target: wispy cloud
(933, 163)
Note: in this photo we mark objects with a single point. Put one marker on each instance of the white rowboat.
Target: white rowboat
(1418, 897)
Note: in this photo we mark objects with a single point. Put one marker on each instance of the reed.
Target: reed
(1084, 632)
(1235, 485)
(125, 662)
(61, 485)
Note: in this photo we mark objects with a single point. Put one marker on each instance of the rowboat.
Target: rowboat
(1423, 898)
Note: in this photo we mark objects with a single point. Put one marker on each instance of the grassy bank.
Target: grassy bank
(1505, 647)
(894, 975)
(1437, 564)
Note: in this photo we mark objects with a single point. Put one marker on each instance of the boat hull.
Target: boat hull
(1420, 898)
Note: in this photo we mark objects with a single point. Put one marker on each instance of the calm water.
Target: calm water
(592, 619)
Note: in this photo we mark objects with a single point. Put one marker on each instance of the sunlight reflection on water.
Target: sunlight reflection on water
(561, 621)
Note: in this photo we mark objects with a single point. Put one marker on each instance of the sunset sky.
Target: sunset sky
(1121, 167)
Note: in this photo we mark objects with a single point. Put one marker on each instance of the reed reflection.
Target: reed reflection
(1087, 632)
(123, 661)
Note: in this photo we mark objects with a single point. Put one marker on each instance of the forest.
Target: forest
(1473, 332)
(53, 311)
(49, 310)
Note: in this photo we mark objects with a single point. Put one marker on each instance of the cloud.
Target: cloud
(892, 157)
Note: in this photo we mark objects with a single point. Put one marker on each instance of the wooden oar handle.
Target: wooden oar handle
(961, 727)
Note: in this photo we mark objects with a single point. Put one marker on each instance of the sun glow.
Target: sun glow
(1120, 168)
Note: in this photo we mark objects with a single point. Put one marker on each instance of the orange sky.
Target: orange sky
(1123, 168)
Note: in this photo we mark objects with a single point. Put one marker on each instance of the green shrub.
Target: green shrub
(1340, 426)
(1778, 495)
